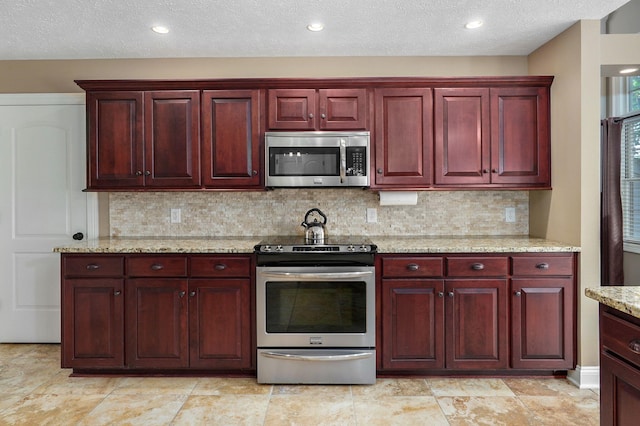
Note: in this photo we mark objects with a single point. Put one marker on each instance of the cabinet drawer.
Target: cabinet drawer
(93, 266)
(210, 266)
(477, 266)
(542, 265)
(155, 266)
(412, 267)
(621, 337)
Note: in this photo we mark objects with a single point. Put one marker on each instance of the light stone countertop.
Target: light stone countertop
(623, 298)
(385, 245)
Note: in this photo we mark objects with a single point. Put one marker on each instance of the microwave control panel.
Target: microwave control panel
(356, 161)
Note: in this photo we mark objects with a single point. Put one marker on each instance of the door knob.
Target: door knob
(78, 236)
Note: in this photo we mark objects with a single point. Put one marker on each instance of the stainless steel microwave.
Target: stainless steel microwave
(317, 159)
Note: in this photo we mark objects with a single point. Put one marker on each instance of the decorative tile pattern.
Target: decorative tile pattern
(34, 390)
(280, 212)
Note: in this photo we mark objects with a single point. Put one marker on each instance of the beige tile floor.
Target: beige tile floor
(35, 391)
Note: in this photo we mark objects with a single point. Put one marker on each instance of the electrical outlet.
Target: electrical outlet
(510, 214)
(372, 215)
(176, 216)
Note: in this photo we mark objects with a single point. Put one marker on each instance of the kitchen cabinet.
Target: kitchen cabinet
(468, 312)
(92, 311)
(231, 147)
(492, 137)
(183, 312)
(144, 139)
(403, 140)
(318, 109)
(619, 367)
(542, 311)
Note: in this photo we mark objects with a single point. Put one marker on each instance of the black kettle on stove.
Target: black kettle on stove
(314, 231)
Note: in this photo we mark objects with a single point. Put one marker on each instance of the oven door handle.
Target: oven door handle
(341, 357)
(317, 276)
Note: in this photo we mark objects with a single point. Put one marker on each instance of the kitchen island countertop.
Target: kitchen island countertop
(386, 244)
(623, 298)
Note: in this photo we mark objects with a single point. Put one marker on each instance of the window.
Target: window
(630, 169)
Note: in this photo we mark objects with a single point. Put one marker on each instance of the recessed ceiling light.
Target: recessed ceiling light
(160, 29)
(473, 24)
(316, 26)
(628, 70)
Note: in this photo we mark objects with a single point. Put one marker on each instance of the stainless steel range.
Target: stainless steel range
(315, 311)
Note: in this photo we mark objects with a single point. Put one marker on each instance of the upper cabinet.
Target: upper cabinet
(426, 133)
(231, 139)
(492, 137)
(322, 109)
(144, 139)
(403, 143)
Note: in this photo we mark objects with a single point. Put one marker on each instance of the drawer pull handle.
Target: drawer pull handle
(413, 267)
(157, 267)
(477, 266)
(542, 266)
(93, 267)
(634, 345)
(220, 267)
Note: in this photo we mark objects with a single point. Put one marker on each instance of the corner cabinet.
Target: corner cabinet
(144, 139)
(499, 312)
(165, 312)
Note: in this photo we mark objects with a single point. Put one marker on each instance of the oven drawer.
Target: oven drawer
(477, 266)
(317, 366)
(157, 266)
(216, 266)
(405, 267)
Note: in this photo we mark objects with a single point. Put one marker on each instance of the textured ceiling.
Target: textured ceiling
(75, 29)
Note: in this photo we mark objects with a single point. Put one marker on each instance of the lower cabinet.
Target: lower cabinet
(161, 312)
(468, 312)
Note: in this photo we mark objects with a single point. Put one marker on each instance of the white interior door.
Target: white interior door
(42, 174)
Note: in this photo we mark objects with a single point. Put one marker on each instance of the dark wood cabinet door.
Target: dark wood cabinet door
(412, 324)
(520, 141)
(476, 324)
(157, 323)
(619, 392)
(462, 136)
(172, 139)
(292, 109)
(231, 139)
(542, 323)
(220, 323)
(93, 323)
(403, 138)
(343, 109)
(115, 139)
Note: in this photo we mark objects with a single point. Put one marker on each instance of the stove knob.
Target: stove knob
(279, 247)
(266, 248)
(351, 248)
(364, 248)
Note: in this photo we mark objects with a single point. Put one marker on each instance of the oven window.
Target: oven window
(304, 161)
(316, 307)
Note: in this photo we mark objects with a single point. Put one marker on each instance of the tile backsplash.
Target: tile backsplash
(280, 212)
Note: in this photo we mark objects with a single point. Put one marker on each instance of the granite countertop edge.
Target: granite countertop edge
(386, 245)
(623, 298)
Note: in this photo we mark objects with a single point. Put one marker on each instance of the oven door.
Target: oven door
(315, 307)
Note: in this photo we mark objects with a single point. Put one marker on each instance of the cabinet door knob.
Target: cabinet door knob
(542, 266)
(117, 293)
(494, 171)
(477, 266)
(440, 294)
(254, 172)
(193, 293)
(450, 294)
(220, 267)
(485, 171)
(323, 115)
(157, 267)
(147, 173)
(139, 173)
(93, 267)
(518, 293)
(413, 267)
(379, 171)
(310, 115)
(634, 345)
(182, 293)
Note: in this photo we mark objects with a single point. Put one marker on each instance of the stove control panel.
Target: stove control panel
(346, 248)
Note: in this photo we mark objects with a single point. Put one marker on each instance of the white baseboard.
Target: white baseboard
(585, 377)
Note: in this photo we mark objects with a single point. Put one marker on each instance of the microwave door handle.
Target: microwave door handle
(343, 160)
(317, 276)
